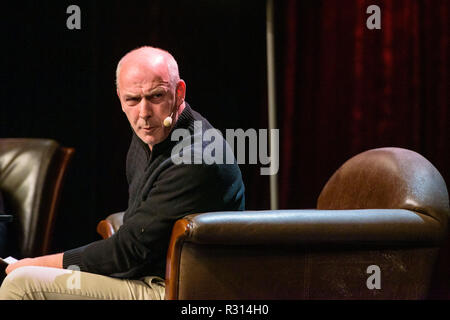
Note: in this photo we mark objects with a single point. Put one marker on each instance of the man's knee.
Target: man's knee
(14, 286)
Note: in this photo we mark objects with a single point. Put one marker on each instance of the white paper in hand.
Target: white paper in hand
(10, 260)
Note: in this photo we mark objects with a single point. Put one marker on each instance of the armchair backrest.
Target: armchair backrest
(385, 219)
(31, 178)
(387, 178)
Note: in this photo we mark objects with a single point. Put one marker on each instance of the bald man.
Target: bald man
(131, 263)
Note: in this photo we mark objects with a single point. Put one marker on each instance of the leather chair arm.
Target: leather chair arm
(107, 227)
(390, 226)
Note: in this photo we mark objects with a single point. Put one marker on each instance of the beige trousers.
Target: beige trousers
(42, 283)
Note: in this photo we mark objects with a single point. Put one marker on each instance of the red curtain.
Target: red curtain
(343, 89)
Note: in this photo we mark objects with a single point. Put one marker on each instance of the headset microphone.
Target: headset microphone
(168, 121)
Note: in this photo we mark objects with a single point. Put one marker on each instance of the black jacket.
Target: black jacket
(160, 192)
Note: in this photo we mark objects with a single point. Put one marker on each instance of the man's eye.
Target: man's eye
(156, 97)
(132, 99)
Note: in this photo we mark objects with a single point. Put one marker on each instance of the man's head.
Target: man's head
(150, 89)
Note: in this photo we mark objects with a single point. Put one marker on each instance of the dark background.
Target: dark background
(59, 84)
(341, 88)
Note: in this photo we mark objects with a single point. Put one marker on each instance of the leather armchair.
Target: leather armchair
(380, 223)
(32, 172)
(106, 228)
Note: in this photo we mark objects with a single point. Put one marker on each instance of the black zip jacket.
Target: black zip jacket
(160, 192)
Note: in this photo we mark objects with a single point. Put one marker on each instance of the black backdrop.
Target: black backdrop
(59, 83)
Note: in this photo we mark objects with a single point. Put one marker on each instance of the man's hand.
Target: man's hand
(53, 261)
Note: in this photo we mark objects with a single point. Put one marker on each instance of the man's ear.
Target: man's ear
(180, 92)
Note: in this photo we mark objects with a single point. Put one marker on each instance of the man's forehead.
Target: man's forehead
(134, 88)
(138, 74)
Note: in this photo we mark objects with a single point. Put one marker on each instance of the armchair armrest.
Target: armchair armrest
(281, 227)
(286, 239)
(107, 227)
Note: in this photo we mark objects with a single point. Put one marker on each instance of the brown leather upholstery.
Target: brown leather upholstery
(386, 207)
(106, 228)
(301, 254)
(31, 178)
(401, 204)
(388, 178)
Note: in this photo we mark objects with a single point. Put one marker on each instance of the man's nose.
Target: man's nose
(145, 109)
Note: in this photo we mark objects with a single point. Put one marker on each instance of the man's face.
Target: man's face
(147, 98)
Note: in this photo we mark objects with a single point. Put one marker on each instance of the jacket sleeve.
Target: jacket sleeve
(142, 240)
